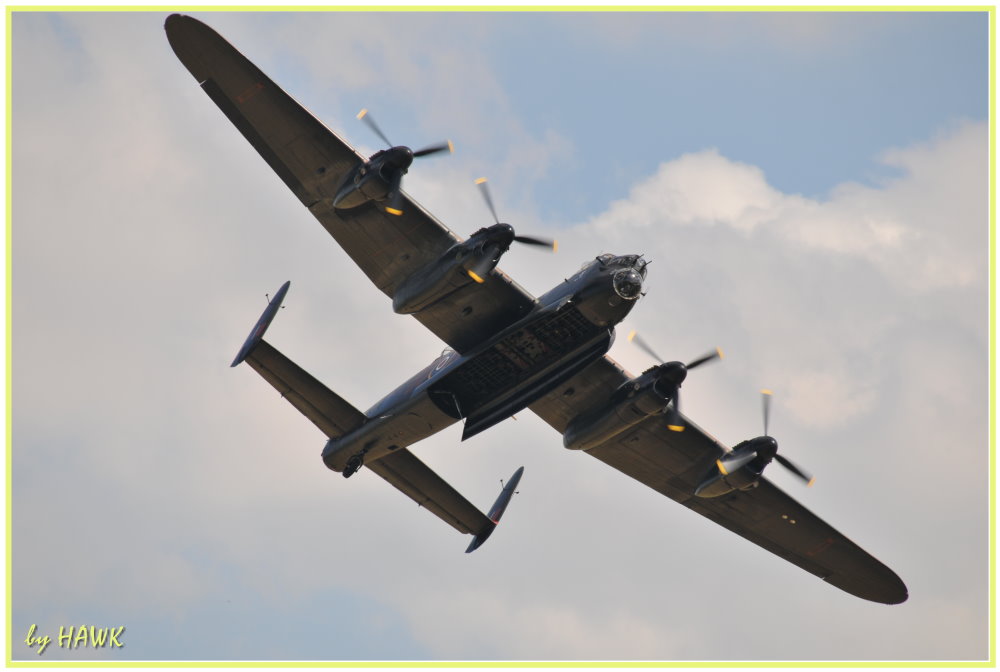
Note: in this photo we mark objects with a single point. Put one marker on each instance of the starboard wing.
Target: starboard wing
(313, 160)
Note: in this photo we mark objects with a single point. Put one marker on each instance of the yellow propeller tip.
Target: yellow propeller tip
(555, 245)
(480, 180)
(675, 428)
(451, 147)
(767, 392)
(721, 354)
(362, 113)
(394, 211)
(811, 481)
(722, 468)
(631, 335)
(476, 277)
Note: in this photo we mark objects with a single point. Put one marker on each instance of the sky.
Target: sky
(811, 187)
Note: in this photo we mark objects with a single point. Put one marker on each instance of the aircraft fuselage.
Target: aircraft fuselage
(570, 326)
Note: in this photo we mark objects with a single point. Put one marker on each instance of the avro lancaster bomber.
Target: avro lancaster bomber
(507, 350)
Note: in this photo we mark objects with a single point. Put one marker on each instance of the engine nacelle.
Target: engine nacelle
(359, 187)
(377, 179)
(739, 469)
(630, 404)
(468, 261)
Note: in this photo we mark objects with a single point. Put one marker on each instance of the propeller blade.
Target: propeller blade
(540, 242)
(788, 464)
(634, 337)
(395, 206)
(766, 399)
(482, 266)
(434, 149)
(727, 464)
(674, 422)
(716, 354)
(486, 195)
(365, 117)
(782, 460)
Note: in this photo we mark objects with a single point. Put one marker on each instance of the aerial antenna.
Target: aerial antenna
(504, 485)
(268, 298)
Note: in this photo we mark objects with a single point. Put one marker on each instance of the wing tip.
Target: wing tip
(877, 583)
(497, 511)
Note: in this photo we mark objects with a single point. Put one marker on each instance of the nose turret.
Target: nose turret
(610, 288)
(627, 283)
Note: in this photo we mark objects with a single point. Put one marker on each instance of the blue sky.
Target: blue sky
(811, 98)
(810, 186)
(810, 115)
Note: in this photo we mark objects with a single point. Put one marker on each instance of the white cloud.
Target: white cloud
(922, 229)
(703, 188)
(539, 630)
(836, 262)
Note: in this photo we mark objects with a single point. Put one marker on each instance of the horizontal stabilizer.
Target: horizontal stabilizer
(497, 511)
(409, 475)
(262, 324)
(329, 411)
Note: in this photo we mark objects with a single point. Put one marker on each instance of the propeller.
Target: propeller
(781, 459)
(400, 157)
(436, 148)
(498, 240)
(395, 206)
(674, 373)
(526, 240)
(365, 117)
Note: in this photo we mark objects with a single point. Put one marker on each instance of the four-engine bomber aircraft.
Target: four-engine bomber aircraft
(507, 350)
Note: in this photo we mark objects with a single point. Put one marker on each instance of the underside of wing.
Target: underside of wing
(676, 463)
(390, 249)
(307, 156)
(772, 519)
(763, 514)
(313, 161)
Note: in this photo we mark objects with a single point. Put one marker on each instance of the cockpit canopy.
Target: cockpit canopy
(635, 261)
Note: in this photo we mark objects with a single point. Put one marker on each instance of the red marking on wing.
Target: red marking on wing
(249, 93)
(819, 549)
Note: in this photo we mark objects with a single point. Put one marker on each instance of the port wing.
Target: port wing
(674, 463)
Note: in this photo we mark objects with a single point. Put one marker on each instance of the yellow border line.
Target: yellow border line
(512, 664)
(501, 8)
(504, 664)
(8, 348)
(991, 395)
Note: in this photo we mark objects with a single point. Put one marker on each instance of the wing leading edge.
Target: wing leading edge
(674, 463)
